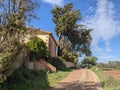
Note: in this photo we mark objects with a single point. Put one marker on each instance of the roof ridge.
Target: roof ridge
(39, 30)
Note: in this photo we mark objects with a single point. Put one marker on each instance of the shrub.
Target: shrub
(26, 79)
(6, 68)
(58, 62)
(37, 49)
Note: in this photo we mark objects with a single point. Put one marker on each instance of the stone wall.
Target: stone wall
(21, 57)
(36, 65)
(19, 61)
(40, 65)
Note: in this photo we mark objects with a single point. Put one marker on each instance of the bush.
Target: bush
(37, 49)
(26, 79)
(6, 66)
(58, 62)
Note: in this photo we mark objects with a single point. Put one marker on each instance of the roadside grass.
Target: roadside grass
(53, 78)
(26, 79)
(110, 68)
(107, 82)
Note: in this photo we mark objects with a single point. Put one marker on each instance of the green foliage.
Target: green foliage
(69, 56)
(68, 31)
(11, 34)
(110, 65)
(14, 14)
(58, 62)
(89, 61)
(38, 49)
(107, 82)
(53, 78)
(6, 68)
(26, 79)
(18, 21)
(14, 30)
(9, 7)
(65, 19)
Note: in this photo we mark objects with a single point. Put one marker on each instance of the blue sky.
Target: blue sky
(103, 16)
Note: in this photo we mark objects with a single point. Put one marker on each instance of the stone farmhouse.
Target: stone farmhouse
(47, 37)
(51, 43)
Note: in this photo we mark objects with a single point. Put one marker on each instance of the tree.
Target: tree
(8, 7)
(13, 17)
(13, 32)
(89, 61)
(14, 14)
(111, 64)
(72, 37)
(69, 56)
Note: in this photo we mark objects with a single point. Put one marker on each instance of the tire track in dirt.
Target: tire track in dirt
(90, 81)
(82, 79)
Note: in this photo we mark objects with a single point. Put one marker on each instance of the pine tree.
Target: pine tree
(69, 31)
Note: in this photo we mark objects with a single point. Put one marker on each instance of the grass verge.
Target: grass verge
(53, 78)
(107, 82)
(26, 79)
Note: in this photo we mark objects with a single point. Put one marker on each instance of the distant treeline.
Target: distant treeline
(110, 64)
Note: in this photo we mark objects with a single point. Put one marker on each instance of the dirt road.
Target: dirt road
(82, 79)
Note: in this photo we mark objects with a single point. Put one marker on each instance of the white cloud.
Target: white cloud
(106, 58)
(104, 25)
(54, 2)
(107, 44)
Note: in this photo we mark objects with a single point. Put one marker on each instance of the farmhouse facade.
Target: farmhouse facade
(47, 37)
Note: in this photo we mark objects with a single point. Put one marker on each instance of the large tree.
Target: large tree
(8, 7)
(72, 37)
(13, 17)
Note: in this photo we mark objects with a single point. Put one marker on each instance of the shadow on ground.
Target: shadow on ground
(26, 79)
(77, 86)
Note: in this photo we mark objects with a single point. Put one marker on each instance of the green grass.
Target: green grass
(110, 69)
(26, 79)
(107, 82)
(53, 78)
